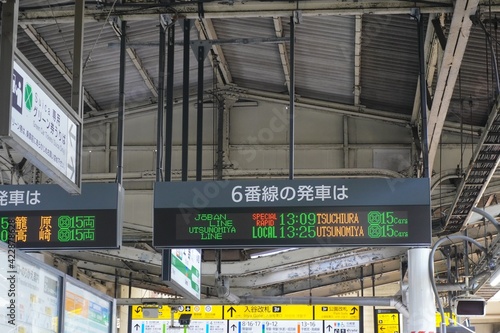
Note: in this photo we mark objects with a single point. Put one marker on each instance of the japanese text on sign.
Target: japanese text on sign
(288, 193)
(19, 197)
(68, 228)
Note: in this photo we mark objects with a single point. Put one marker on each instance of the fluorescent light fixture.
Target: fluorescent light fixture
(271, 252)
(495, 277)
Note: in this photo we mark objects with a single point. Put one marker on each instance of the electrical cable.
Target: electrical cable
(60, 30)
(98, 36)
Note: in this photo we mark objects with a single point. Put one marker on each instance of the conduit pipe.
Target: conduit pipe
(360, 173)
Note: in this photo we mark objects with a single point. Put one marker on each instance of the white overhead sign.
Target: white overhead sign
(44, 127)
(181, 269)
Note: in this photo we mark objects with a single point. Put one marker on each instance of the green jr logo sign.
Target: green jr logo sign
(28, 97)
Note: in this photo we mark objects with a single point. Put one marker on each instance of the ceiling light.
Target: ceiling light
(495, 277)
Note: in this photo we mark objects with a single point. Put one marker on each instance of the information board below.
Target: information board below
(290, 226)
(251, 318)
(293, 213)
(61, 229)
(42, 217)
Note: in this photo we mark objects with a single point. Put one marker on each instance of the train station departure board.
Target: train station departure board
(41, 217)
(284, 213)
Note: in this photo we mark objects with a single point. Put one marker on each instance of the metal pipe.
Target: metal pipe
(361, 173)
(159, 121)
(129, 317)
(8, 41)
(169, 102)
(199, 116)
(77, 87)
(107, 149)
(220, 137)
(431, 271)
(185, 100)
(488, 216)
(121, 105)
(292, 98)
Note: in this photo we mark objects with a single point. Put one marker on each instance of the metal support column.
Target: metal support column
(292, 97)
(420, 295)
(77, 85)
(10, 13)
(423, 93)
(185, 100)
(121, 105)
(169, 96)
(159, 121)
(199, 116)
(220, 135)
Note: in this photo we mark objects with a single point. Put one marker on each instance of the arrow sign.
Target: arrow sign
(71, 167)
(231, 311)
(353, 310)
(138, 309)
(136, 326)
(233, 326)
(329, 327)
(382, 328)
(72, 135)
(393, 317)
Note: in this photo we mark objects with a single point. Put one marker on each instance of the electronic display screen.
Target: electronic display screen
(61, 229)
(292, 226)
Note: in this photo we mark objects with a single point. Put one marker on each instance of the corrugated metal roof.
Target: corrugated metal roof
(389, 52)
(325, 58)
(474, 84)
(253, 65)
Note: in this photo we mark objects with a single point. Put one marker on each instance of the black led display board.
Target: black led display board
(43, 217)
(298, 213)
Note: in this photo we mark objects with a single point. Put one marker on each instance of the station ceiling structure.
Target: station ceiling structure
(352, 72)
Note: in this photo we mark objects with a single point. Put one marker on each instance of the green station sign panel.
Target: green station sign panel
(284, 213)
(42, 217)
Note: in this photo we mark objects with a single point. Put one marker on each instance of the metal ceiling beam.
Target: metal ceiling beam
(452, 60)
(219, 63)
(250, 8)
(358, 27)
(321, 259)
(308, 103)
(431, 46)
(57, 62)
(328, 285)
(136, 60)
(305, 270)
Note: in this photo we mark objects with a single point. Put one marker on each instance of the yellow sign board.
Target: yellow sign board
(447, 316)
(336, 312)
(387, 321)
(198, 312)
(388, 318)
(249, 312)
(387, 328)
(253, 312)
